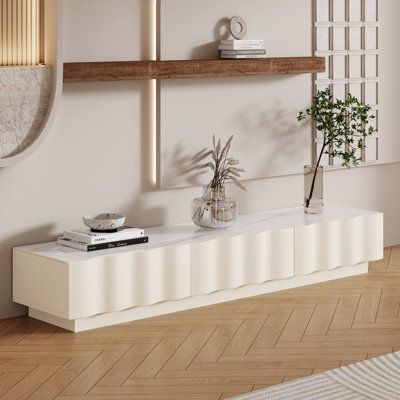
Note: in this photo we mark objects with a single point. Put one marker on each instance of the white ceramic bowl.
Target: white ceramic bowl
(104, 222)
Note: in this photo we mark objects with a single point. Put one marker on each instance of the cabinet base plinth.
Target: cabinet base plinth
(132, 314)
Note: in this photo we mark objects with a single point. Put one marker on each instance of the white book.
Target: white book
(243, 52)
(101, 246)
(70, 243)
(242, 42)
(89, 237)
(241, 57)
(240, 46)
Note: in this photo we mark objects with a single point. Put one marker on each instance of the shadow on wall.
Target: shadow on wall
(186, 168)
(266, 135)
(269, 141)
(43, 233)
(269, 129)
(139, 213)
(210, 50)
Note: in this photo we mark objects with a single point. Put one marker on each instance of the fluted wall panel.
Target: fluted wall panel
(21, 34)
(232, 262)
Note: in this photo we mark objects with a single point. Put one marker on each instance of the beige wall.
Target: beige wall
(95, 157)
(260, 111)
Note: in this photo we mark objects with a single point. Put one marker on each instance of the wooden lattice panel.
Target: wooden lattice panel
(346, 33)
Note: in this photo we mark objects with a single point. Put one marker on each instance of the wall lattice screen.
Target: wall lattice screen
(21, 32)
(346, 33)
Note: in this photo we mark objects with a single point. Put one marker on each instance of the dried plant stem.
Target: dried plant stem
(214, 208)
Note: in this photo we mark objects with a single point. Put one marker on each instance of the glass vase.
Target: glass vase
(214, 210)
(313, 189)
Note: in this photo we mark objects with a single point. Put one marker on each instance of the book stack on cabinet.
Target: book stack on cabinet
(242, 49)
(87, 240)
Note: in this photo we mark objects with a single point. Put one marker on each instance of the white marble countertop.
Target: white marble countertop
(187, 232)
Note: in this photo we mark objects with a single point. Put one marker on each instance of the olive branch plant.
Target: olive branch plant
(343, 125)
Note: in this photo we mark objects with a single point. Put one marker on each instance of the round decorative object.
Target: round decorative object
(238, 27)
(104, 222)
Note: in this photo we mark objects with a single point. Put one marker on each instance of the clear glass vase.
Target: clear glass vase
(313, 189)
(214, 210)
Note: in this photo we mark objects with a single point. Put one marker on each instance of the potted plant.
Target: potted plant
(342, 126)
(214, 210)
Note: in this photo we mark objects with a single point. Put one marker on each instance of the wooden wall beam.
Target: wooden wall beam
(142, 70)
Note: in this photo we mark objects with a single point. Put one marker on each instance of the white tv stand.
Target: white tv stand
(184, 267)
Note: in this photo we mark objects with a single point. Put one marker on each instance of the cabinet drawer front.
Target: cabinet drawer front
(123, 281)
(339, 243)
(232, 262)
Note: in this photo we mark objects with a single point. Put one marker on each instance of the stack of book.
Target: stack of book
(239, 49)
(87, 240)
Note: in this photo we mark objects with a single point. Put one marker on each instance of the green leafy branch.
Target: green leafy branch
(344, 125)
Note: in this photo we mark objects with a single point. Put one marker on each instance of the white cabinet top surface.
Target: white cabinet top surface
(188, 232)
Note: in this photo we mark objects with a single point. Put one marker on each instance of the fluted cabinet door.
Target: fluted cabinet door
(118, 282)
(231, 262)
(347, 241)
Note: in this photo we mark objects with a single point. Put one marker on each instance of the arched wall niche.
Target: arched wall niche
(29, 95)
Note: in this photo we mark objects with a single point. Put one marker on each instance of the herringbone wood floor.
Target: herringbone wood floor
(209, 353)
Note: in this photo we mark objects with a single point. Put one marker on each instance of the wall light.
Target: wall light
(152, 90)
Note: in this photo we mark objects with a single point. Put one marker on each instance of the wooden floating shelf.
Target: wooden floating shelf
(142, 70)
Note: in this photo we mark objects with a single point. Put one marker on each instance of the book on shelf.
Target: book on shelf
(101, 246)
(241, 57)
(240, 44)
(89, 237)
(243, 52)
(240, 47)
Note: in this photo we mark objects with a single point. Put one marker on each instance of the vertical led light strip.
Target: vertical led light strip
(21, 36)
(331, 64)
(152, 91)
